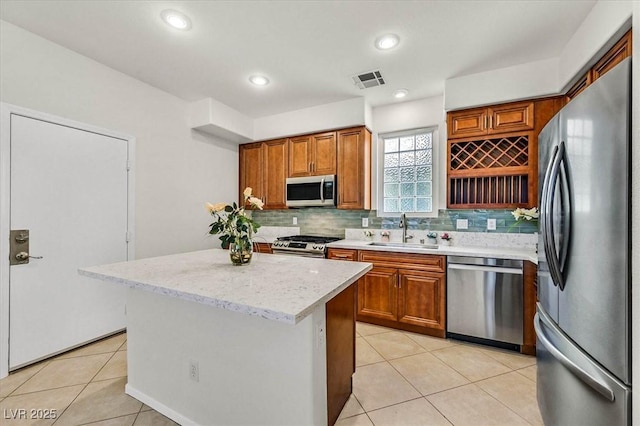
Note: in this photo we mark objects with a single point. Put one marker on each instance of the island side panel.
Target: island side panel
(251, 370)
(341, 363)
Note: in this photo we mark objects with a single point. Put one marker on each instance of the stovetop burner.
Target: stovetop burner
(302, 245)
(309, 239)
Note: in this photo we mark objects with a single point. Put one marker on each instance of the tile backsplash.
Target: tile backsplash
(333, 222)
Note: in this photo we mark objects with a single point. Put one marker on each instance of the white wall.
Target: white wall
(352, 112)
(177, 169)
(411, 115)
(547, 77)
(600, 26)
(526, 81)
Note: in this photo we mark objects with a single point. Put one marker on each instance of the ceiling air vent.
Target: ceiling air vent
(368, 79)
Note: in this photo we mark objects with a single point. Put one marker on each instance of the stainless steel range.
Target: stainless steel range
(302, 245)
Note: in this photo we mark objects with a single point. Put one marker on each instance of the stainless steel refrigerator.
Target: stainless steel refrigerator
(584, 311)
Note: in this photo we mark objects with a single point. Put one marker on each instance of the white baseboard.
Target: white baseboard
(159, 407)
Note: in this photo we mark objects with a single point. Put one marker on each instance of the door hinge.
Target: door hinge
(128, 166)
(127, 236)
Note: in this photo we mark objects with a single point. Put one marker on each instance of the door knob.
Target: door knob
(23, 255)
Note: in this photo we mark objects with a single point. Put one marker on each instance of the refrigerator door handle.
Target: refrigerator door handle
(547, 217)
(593, 382)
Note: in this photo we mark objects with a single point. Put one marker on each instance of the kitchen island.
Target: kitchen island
(271, 342)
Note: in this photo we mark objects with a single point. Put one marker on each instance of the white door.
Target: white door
(69, 189)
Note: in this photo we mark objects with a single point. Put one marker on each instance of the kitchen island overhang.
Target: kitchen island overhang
(212, 343)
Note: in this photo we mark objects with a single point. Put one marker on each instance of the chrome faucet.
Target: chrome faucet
(403, 225)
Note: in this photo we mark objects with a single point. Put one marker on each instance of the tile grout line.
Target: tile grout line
(502, 403)
(83, 389)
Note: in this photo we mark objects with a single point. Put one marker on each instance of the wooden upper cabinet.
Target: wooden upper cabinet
(469, 122)
(263, 167)
(580, 85)
(620, 51)
(512, 117)
(275, 166)
(312, 155)
(323, 157)
(300, 156)
(354, 169)
(251, 169)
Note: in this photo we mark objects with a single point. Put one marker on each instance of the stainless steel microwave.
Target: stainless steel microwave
(312, 191)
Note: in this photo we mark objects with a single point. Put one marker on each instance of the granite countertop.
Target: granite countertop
(498, 252)
(274, 287)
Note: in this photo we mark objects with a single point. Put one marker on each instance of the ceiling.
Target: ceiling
(308, 49)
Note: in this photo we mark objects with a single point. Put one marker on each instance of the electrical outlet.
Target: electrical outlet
(462, 224)
(320, 334)
(365, 222)
(295, 220)
(491, 224)
(194, 371)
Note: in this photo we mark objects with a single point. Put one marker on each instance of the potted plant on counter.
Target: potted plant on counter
(235, 227)
(445, 239)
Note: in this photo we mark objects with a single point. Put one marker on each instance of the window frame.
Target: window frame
(435, 181)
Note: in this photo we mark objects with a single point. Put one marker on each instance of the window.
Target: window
(406, 172)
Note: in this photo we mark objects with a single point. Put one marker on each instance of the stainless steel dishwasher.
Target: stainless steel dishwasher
(485, 300)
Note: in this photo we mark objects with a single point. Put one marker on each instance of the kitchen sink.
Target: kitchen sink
(405, 245)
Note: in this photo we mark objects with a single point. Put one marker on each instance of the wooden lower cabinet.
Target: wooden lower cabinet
(403, 291)
(378, 294)
(421, 299)
(530, 298)
(262, 248)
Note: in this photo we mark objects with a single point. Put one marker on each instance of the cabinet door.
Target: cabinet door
(323, 157)
(511, 117)
(299, 156)
(354, 169)
(276, 158)
(251, 169)
(613, 57)
(377, 294)
(467, 123)
(421, 299)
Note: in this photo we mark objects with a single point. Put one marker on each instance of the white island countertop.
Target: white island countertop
(497, 252)
(280, 288)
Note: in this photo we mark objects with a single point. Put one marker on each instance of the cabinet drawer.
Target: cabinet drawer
(342, 254)
(421, 262)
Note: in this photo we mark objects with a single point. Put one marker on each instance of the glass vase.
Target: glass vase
(240, 253)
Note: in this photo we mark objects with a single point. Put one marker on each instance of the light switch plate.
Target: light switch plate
(491, 224)
(365, 222)
(462, 224)
(295, 220)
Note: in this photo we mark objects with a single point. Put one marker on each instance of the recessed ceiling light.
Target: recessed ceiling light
(259, 80)
(387, 41)
(400, 93)
(176, 19)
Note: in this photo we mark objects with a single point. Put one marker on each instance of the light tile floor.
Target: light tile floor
(410, 379)
(84, 386)
(401, 379)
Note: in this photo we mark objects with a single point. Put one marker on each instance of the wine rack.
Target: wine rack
(490, 173)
